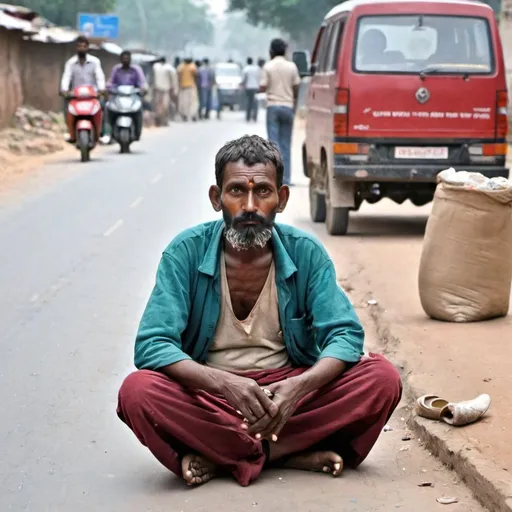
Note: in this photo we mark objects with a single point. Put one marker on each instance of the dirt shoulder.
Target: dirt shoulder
(379, 261)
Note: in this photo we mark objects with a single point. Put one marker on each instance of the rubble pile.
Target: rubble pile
(33, 132)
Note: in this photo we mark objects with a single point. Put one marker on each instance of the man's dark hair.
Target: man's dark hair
(252, 150)
(82, 39)
(249, 61)
(206, 61)
(278, 48)
(125, 53)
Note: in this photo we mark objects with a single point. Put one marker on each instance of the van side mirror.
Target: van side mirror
(302, 61)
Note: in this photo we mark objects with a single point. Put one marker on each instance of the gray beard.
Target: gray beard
(241, 241)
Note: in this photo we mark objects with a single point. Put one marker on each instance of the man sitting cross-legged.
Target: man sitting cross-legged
(249, 353)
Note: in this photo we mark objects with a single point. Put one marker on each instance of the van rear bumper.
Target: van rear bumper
(409, 173)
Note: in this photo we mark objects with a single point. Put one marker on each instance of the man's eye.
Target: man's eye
(236, 190)
(263, 190)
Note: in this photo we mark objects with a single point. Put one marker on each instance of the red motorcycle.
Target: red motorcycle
(84, 119)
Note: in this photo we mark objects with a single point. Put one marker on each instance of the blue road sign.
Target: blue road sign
(103, 26)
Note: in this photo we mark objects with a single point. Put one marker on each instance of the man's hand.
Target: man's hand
(286, 397)
(246, 396)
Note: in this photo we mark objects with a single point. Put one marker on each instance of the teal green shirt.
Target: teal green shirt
(179, 322)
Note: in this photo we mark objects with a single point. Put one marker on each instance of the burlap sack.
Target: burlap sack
(466, 263)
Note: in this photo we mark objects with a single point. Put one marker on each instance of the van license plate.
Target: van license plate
(412, 153)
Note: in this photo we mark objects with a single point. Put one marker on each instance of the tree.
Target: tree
(246, 39)
(299, 18)
(164, 25)
(64, 12)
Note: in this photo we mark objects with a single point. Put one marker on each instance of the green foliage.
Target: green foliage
(249, 40)
(164, 25)
(298, 18)
(64, 12)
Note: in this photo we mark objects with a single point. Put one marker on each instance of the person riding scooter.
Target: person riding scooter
(82, 69)
(128, 74)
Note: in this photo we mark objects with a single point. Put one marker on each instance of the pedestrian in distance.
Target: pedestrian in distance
(251, 84)
(280, 81)
(188, 103)
(206, 81)
(165, 86)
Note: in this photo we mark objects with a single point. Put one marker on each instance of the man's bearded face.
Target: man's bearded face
(248, 230)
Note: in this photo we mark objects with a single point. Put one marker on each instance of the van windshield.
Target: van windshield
(423, 44)
(227, 70)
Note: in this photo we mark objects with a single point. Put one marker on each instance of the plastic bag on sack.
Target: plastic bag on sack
(466, 263)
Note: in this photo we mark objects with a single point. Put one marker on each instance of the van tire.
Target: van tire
(305, 169)
(337, 218)
(317, 209)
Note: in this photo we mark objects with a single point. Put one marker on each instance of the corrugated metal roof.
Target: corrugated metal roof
(55, 35)
(12, 23)
(19, 11)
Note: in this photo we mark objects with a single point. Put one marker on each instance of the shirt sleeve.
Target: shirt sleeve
(141, 78)
(296, 76)
(100, 76)
(66, 76)
(264, 80)
(339, 333)
(112, 81)
(158, 341)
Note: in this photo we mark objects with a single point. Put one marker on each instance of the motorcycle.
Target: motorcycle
(125, 114)
(84, 119)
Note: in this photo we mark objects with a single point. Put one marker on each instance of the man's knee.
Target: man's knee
(384, 377)
(136, 388)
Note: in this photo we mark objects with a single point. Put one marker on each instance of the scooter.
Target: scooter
(125, 110)
(84, 119)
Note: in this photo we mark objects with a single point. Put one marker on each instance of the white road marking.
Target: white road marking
(136, 202)
(156, 179)
(34, 297)
(113, 228)
(184, 150)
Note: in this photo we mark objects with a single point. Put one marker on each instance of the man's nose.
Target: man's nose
(250, 206)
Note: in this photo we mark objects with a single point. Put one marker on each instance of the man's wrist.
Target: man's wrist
(301, 384)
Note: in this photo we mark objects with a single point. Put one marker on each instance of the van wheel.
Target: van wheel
(336, 218)
(316, 204)
(305, 161)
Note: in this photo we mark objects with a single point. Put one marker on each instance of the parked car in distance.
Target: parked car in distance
(400, 90)
(229, 79)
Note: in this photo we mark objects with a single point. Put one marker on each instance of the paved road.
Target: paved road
(80, 246)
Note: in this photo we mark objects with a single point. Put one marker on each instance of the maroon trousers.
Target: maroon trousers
(345, 416)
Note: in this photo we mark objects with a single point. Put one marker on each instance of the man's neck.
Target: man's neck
(82, 58)
(246, 256)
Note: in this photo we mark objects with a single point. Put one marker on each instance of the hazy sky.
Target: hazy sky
(218, 6)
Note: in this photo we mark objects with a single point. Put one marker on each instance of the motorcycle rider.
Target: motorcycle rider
(83, 69)
(127, 73)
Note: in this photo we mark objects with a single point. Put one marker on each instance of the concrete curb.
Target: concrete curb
(491, 485)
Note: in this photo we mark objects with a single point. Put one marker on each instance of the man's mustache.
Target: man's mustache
(250, 217)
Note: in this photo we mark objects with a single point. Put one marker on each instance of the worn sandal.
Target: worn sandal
(457, 414)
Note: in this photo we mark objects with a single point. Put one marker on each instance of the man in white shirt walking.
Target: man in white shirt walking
(251, 84)
(84, 69)
(165, 87)
(281, 80)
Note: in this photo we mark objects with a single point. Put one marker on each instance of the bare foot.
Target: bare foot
(326, 462)
(197, 470)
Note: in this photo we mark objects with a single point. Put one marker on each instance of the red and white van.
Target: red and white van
(400, 90)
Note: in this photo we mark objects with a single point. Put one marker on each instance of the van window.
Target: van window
(418, 43)
(323, 53)
(334, 50)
